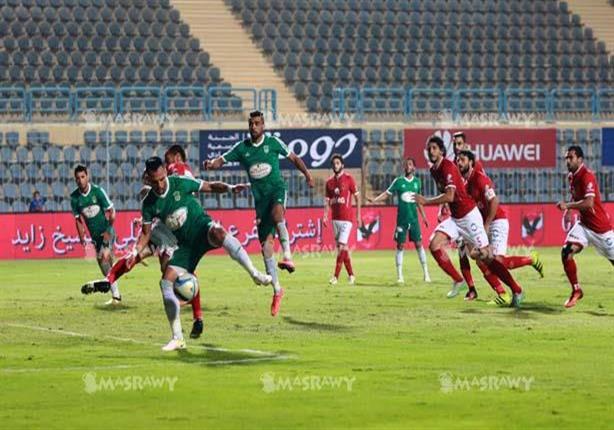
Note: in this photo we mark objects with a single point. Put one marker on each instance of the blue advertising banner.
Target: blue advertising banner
(314, 146)
(607, 148)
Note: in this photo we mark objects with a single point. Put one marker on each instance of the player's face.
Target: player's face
(82, 180)
(463, 163)
(158, 180)
(573, 161)
(337, 165)
(459, 145)
(256, 128)
(435, 153)
(169, 158)
(409, 167)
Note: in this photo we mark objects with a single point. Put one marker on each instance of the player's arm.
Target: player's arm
(421, 207)
(219, 187)
(326, 211)
(80, 229)
(586, 203)
(143, 239)
(382, 196)
(300, 165)
(446, 197)
(493, 205)
(358, 208)
(214, 164)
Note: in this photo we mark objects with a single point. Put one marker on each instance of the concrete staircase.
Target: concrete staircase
(240, 60)
(599, 15)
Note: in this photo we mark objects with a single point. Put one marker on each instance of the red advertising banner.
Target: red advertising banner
(54, 235)
(495, 147)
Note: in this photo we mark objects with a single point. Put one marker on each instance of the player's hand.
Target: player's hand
(325, 221)
(137, 223)
(208, 164)
(239, 188)
(359, 222)
(106, 236)
(419, 199)
(310, 181)
(562, 205)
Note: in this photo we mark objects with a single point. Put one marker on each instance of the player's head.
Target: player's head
(465, 160)
(336, 163)
(410, 166)
(36, 195)
(156, 172)
(256, 125)
(81, 177)
(435, 148)
(175, 154)
(460, 142)
(574, 157)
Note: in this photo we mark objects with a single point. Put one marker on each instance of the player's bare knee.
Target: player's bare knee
(277, 213)
(567, 251)
(216, 236)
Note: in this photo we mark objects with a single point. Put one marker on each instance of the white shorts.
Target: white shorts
(342, 231)
(498, 233)
(604, 242)
(470, 228)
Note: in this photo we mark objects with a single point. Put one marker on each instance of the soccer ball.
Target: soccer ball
(186, 287)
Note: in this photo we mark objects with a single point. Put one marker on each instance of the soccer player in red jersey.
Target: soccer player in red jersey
(594, 226)
(340, 189)
(176, 162)
(481, 189)
(465, 221)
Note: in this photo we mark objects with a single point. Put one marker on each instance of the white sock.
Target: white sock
(171, 307)
(238, 254)
(399, 260)
(422, 258)
(284, 239)
(271, 268)
(115, 290)
(105, 267)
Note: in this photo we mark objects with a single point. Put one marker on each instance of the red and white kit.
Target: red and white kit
(466, 220)
(594, 226)
(339, 191)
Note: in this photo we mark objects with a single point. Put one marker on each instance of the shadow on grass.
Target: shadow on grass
(113, 308)
(316, 325)
(599, 314)
(527, 307)
(208, 355)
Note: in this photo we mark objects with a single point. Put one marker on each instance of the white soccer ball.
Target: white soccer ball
(186, 287)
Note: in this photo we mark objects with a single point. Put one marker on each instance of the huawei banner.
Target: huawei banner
(53, 235)
(495, 147)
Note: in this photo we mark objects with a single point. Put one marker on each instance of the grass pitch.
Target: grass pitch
(376, 355)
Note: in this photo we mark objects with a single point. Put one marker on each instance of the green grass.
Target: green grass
(393, 342)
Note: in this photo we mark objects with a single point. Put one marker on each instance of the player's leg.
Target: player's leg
(445, 232)
(498, 234)
(415, 235)
(345, 228)
(268, 253)
(400, 235)
(337, 226)
(577, 239)
(104, 257)
(464, 250)
(172, 306)
(495, 266)
(277, 213)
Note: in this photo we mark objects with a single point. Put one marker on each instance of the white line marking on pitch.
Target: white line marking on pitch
(267, 356)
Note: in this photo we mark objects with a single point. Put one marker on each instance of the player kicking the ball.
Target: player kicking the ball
(594, 226)
(259, 156)
(465, 221)
(405, 188)
(91, 206)
(340, 188)
(172, 200)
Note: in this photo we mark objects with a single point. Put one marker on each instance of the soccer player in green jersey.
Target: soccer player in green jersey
(259, 156)
(171, 200)
(405, 187)
(92, 208)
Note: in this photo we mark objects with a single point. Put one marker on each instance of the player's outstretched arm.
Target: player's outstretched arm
(446, 197)
(80, 229)
(300, 165)
(143, 240)
(379, 198)
(585, 203)
(222, 187)
(214, 164)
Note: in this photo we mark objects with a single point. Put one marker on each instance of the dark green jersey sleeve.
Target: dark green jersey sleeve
(188, 185)
(105, 202)
(73, 206)
(280, 147)
(419, 185)
(147, 210)
(393, 187)
(234, 153)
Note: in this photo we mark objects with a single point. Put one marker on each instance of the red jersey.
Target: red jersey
(481, 189)
(447, 175)
(583, 184)
(179, 169)
(339, 191)
(478, 167)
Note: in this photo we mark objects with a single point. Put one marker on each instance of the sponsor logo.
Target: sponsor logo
(91, 211)
(260, 170)
(408, 197)
(532, 232)
(176, 220)
(369, 234)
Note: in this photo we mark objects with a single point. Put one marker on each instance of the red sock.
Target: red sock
(446, 265)
(516, 261)
(491, 278)
(121, 267)
(197, 312)
(466, 270)
(338, 264)
(569, 264)
(502, 273)
(348, 262)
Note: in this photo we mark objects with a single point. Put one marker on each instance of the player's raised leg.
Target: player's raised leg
(463, 258)
(172, 308)
(277, 213)
(105, 262)
(268, 253)
(437, 246)
(571, 270)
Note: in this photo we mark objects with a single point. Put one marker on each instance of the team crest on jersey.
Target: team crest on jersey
(90, 211)
(94, 199)
(266, 149)
(177, 196)
(175, 220)
(532, 228)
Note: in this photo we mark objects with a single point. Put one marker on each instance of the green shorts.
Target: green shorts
(101, 244)
(188, 255)
(264, 203)
(400, 233)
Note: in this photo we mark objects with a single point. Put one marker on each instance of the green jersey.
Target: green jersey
(261, 161)
(177, 208)
(92, 206)
(405, 189)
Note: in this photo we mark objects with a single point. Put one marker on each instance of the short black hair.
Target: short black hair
(577, 149)
(412, 159)
(80, 168)
(460, 134)
(336, 155)
(176, 149)
(256, 114)
(469, 154)
(153, 163)
(438, 141)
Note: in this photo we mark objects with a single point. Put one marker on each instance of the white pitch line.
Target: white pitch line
(69, 368)
(268, 356)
